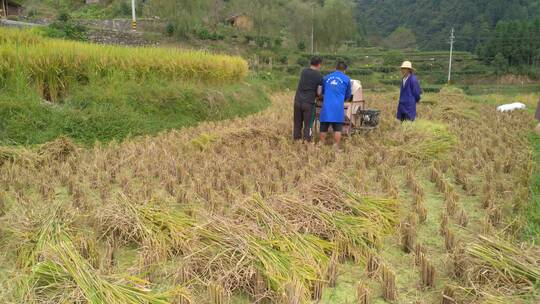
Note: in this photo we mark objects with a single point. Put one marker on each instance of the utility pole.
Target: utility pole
(133, 16)
(452, 40)
(312, 28)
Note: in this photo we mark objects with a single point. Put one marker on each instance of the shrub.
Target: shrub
(302, 61)
(301, 46)
(66, 30)
(393, 58)
(283, 59)
(169, 29)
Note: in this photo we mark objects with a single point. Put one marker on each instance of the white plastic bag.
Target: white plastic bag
(511, 107)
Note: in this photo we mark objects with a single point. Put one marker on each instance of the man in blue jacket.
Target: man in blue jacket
(336, 89)
(409, 95)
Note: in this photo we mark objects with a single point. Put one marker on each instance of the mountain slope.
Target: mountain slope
(431, 20)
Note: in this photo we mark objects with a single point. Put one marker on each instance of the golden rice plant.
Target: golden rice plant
(53, 64)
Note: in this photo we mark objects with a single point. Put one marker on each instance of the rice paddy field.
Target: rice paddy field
(53, 65)
(234, 212)
(89, 92)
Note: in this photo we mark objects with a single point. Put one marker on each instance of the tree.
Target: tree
(335, 24)
(401, 38)
(500, 63)
(184, 15)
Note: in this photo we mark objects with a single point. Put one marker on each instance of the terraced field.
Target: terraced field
(234, 212)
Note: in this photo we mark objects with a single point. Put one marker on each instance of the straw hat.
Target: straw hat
(407, 65)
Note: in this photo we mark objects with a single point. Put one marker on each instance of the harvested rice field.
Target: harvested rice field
(234, 212)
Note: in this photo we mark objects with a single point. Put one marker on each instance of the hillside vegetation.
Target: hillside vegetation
(431, 21)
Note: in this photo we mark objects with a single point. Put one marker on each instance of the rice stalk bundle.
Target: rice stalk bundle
(318, 288)
(427, 272)
(408, 233)
(449, 240)
(419, 251)
(337, 197)
(501, 263)
(57, 150)
(462, 218)
(282, 261)
(429, 139)
(448, 296)
(66, 269)
(217, 294)
(450, 206)
(459, 260)
(333, 268)
(362, 294)
(443, 227)
(372, 264)
(495, 215)
(388, 284)
(163, 233)
(294, 293)
(421, 211)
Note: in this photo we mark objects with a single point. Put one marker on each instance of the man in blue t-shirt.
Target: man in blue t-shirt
(336, 89)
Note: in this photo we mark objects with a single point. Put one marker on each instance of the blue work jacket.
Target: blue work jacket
(336, 89)
(409, 96)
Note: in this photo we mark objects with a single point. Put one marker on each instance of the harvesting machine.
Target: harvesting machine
(357, 117)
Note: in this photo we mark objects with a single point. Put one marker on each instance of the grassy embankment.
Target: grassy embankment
(90, 92)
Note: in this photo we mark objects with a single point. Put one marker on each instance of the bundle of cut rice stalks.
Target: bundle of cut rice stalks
(163, 232)
(337, 197)
(425, 139)
(66, 273)
(499, 263)
(351, 233)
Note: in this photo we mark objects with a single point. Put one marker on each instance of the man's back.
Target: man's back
(310, 80)
(336, 89)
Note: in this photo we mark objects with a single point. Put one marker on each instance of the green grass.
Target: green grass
(532, 231)
(114, 109)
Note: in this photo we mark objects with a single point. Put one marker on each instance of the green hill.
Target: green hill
(431, 21)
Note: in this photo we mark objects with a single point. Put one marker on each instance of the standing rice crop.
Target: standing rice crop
(52, 65)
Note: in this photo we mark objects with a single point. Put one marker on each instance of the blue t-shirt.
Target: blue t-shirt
(336, 89)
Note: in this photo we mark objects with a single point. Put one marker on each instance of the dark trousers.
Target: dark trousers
(303, 114)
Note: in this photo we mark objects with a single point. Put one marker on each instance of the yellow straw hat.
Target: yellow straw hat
(407, 65)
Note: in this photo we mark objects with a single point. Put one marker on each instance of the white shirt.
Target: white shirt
(405, 79)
